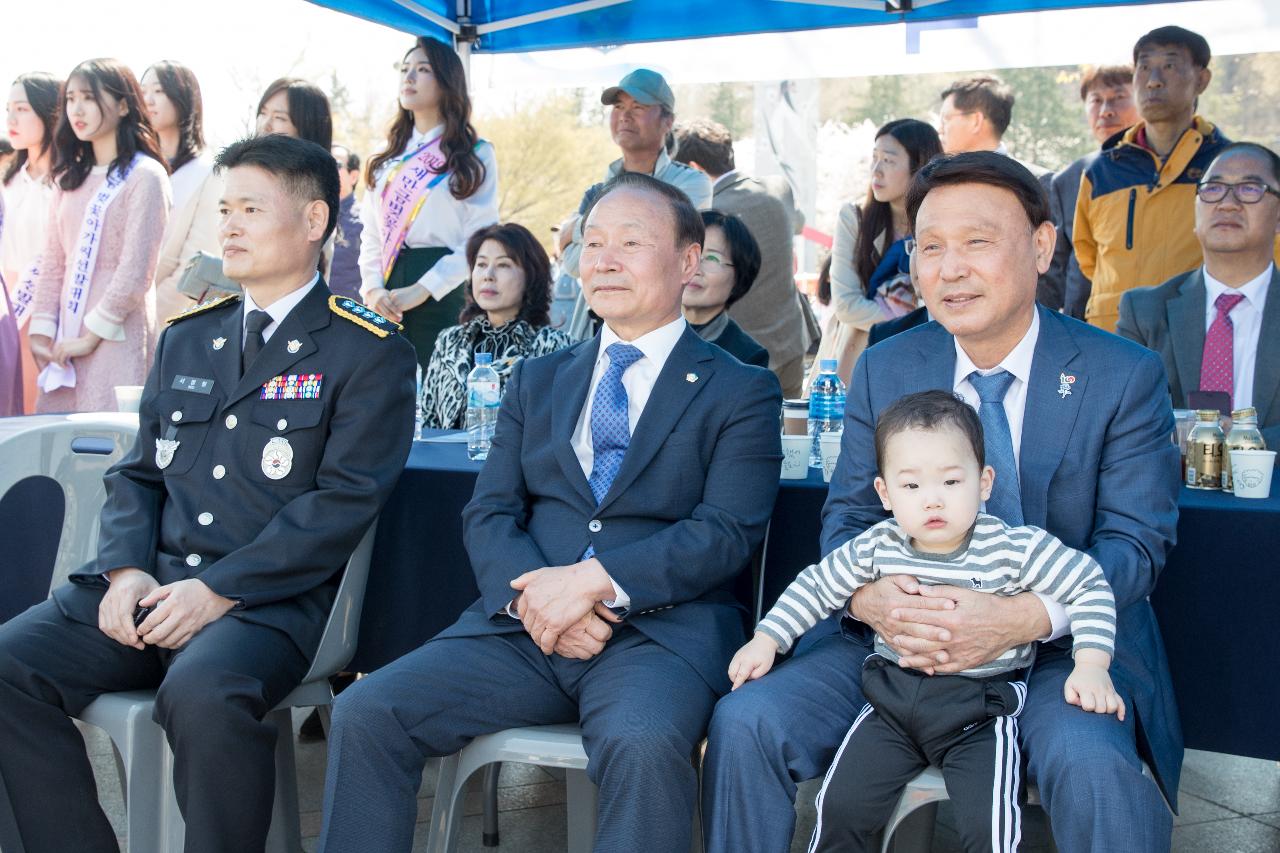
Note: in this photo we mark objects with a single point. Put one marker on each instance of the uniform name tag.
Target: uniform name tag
(293, 386)
(192, 383)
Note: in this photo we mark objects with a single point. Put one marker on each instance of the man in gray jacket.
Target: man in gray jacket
(771, 311)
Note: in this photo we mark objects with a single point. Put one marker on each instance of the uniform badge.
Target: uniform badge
(294, 346)
(293, 386)
(1065, 381)
(277, 458)
(165, 448)
(219, 343)
(691, 377)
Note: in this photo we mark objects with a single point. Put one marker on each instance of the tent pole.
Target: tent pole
(462, 47)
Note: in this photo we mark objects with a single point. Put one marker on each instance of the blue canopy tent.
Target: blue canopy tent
(515, 26)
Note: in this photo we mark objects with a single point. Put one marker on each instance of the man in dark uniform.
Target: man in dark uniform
(271, 430)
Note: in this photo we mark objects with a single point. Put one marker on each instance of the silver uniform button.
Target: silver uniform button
(281, 424)
(231, 421)
(205, 518)
(594, 525)
(219, 472)
(193, 560)
(175, 417)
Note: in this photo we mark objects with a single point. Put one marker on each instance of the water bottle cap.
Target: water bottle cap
(827, 365)
(483, 358)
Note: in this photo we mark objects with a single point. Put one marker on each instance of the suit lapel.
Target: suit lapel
(1050, 414)
(310, 314)
(671, 395)
(569, 395)
(1185, 314)
(1266, 370)
(936, 362)
(226, 359)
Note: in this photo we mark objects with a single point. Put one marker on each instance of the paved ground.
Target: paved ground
(1227, 804)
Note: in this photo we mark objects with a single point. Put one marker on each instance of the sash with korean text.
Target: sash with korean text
(409, 182)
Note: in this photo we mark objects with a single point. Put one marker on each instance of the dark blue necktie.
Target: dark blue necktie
(610, 427)
(1005, 502)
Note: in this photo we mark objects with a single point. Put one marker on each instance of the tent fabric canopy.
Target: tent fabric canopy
(514, 26)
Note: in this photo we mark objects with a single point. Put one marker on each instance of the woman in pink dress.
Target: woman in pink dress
(90, 328)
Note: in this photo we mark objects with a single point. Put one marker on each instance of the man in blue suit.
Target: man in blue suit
(630, 480)
(1077, 425)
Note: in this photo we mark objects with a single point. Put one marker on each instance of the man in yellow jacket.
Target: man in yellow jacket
(1134, 218)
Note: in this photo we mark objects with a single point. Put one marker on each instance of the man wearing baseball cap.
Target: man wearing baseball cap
(644, 109)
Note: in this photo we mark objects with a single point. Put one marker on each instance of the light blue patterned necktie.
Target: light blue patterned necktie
(1005, 502)
(610, 426)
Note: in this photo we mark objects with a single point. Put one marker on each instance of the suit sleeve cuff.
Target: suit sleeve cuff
(1057, 618)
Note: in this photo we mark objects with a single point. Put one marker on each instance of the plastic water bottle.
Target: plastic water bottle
(482, 406)
(826, 408)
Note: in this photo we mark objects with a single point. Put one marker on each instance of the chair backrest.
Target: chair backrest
(74, 451)
(338, 642)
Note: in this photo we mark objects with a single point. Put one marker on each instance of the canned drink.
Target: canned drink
(1244, 435)
(1204, 451)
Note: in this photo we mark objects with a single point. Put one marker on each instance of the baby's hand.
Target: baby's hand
(1090, 687)
(752, 660)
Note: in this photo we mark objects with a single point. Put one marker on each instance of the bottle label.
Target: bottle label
(483, 394)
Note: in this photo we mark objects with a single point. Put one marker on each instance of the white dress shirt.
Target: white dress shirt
(1017, 362)
(278, 309)
(442, 221)
(1246, 323)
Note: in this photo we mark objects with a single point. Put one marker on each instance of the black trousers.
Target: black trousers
(212, 697)
(965, 726)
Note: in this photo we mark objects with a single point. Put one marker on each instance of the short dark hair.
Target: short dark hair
(979, 167)
(707, 143)
(1268, 156)
(984, 93)
(744, 251)
(684, 216)
(524, 249)
(1195, 43)
(932, 411)
(352, 163)
(1102, 76)
(304, 168)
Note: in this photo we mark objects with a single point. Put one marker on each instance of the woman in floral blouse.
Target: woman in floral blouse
(506, 313)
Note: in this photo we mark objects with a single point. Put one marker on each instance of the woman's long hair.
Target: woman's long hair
(527, 253)
(459, 139)
(73, 159)
(876, 217)
(44, 93)
(183, 91)
(308, 109)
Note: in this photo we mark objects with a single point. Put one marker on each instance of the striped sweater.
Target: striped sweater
(997, 558)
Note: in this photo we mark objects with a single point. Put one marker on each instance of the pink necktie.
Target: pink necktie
(1217, 365)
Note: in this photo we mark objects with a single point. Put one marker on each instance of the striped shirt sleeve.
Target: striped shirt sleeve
(823, 588)
(1074, 580)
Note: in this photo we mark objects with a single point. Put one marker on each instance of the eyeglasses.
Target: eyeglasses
(716, 263)
(1245, 192)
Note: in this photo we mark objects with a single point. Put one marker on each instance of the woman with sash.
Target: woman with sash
(432, 187)
(90, 329)
(35, 102)
(869, 278)
(171, 95)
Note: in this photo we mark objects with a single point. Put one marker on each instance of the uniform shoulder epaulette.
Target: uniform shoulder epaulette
(349, 309)
(203, 307)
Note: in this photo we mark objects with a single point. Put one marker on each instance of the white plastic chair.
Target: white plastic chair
(74, 451)
(155, 824)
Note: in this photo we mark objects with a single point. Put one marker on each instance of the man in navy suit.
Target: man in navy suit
(630, 480)
(1078, 428)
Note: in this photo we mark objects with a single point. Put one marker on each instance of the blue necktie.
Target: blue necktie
(1005, 502)
(610, 427)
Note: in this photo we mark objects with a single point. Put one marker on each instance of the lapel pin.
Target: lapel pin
(294, 346)
(219, 343)
(1065, 381)
(691, 377)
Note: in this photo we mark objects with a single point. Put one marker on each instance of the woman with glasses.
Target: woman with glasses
(730, 262)
(870, 282)
(432, 187)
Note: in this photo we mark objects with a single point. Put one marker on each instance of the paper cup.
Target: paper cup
(1251, 472)
(795, 457)
(128, 397)
(830, 443)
